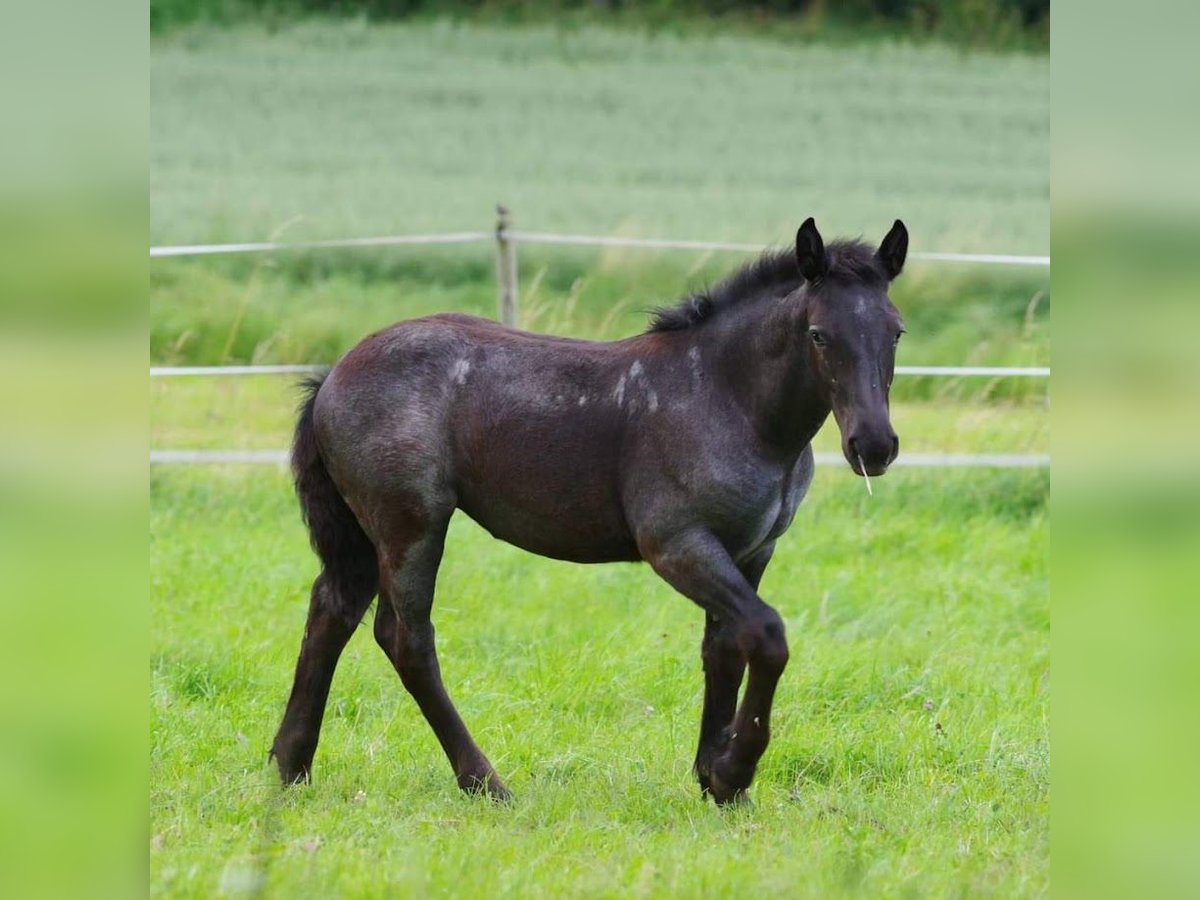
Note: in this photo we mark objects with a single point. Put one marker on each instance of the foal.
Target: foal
(687, 447)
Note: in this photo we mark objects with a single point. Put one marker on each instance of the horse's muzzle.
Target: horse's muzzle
(871, 453)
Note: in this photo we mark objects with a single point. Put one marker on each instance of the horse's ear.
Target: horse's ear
(810, 251)
(893, 250)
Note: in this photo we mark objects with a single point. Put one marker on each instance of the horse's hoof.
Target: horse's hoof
(291, 772)
(728, 782)
(489, 784)
(726, 796)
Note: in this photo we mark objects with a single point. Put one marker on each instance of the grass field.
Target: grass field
(338, 129)
(345, 129)
(911, 742)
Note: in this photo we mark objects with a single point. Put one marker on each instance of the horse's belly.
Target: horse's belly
(558, 524)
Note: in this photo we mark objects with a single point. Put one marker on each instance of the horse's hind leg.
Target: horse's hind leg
(336, 607)
(408, 571)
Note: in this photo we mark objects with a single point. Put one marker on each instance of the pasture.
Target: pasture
(911, 737)
(341, 129)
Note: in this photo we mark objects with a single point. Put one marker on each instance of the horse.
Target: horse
(687, 446)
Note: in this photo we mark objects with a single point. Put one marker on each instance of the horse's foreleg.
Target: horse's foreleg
(333, 614)
(724, 668)
(746, 628)
(405, 633)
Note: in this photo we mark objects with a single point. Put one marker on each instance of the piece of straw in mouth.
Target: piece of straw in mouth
(866, 477)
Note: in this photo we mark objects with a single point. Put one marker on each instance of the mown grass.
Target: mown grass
(911, 738)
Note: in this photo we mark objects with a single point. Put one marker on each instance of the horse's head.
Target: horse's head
(851, 330)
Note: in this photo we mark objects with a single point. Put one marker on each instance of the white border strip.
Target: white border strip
(906, 460)
(941, 371)
(545, 237)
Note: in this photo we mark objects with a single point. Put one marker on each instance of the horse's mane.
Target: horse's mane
(775, 273)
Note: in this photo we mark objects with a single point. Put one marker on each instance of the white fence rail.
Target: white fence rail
(544, 237)
(506, 240)
(394, 240)
(905, 460)
(934, 371)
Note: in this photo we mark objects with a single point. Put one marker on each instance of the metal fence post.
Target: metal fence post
(506, 269)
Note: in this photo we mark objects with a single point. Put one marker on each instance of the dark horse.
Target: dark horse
(687, 446)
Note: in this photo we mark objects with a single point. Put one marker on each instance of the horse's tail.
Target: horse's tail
(347, 554)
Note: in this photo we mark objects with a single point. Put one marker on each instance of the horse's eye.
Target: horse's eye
(817, 337)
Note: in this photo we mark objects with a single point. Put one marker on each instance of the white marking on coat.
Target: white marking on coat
(619, 393)
(694, 364)
(460, 370)
(641, 394)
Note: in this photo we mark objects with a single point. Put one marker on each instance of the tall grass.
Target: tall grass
(339, 129)
(311, 310)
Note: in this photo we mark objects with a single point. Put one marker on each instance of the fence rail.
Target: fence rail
(905, 460)
(930, 371)
(394, 240)
(546, 237)
(506, 240)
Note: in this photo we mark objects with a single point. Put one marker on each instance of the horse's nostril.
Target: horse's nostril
(895, 446)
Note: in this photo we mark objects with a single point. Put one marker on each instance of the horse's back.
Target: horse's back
(512, 425)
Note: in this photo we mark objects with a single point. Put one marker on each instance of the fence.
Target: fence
(506, 239)
(936, 371)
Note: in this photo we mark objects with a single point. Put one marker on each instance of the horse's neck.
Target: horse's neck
(762, 362)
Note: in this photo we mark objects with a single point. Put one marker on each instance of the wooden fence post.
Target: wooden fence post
(506, 269)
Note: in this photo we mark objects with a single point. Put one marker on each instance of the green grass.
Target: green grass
(911, 749)
(212, 313)
(911, 739)
(338, 129)
(333, 129)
